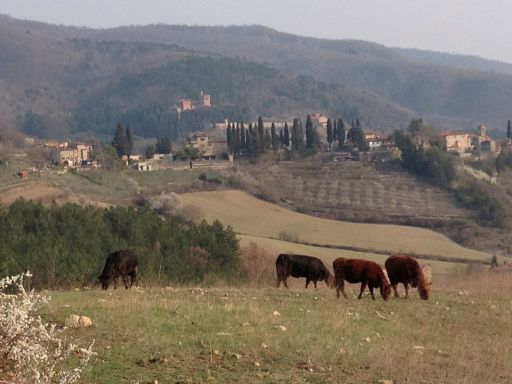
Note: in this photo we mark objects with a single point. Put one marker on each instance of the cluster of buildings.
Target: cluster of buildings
(71, 154)
(467, 143)
(204, 101)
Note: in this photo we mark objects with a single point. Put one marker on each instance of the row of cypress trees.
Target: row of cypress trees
(256, 140)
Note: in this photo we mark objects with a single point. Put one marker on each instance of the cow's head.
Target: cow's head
(105, 281)
(424, 281)
(385, 290)
(423, 291)
(330, 281)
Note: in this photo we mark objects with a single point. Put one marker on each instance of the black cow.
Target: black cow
(309, 267)
(120, 263)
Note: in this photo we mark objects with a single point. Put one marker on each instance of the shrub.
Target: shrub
(258, 264)
(288, 236)
(30, 349)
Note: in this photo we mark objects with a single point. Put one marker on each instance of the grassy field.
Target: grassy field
(251, 216)
(233, 335)
(328, 255)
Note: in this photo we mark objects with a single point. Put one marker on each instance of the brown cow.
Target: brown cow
(360, 271)
(309, 267)
(406, 270)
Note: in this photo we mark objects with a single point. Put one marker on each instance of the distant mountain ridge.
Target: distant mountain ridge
(454, 89)
(63, 73)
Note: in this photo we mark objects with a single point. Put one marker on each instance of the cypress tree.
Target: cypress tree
(286, 136)
(509, 130)
(281, 138)
(329, 133)
(252, 140)
(274, 137)
(129, 141)
(340, 134)
(242, 136)
(119, 141)
(297, 136)
(237, 138)
(260, 147)
(229, 138)
(310, 134)
(247, 139)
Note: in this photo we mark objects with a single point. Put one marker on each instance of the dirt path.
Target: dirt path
(31, 191)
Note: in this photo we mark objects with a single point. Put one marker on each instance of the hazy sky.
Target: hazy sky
(476, 27)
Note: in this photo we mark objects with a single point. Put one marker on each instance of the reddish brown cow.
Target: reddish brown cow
(365, 272)
(406, 270)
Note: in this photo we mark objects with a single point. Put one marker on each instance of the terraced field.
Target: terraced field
(353, 191)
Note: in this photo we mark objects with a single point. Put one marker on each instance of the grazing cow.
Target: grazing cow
(309, 267)
(406, 270)
(365, 272)
(120, 263)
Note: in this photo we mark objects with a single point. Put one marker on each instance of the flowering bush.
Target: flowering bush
(30, 349)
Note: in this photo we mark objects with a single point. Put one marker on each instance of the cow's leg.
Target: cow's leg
(314, 282)
(125, 281)
(307, 282)
(115, 282)
(133, 278)
(371, 291)
(285, 283)
(363, 287)
(394, 289)
(406, 286)
(340, 287)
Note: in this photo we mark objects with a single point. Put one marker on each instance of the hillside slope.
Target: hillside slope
(436, 86)
(250, 216)
(55, 80)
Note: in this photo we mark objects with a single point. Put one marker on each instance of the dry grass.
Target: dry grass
(327, 255)
(248, 215)
(218, 335)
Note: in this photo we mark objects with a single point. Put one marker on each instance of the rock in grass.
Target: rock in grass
(76, 321)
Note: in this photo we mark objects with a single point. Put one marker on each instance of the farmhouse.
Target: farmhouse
(374, 140)
(209, 146)
(71, 154)
(467, 142)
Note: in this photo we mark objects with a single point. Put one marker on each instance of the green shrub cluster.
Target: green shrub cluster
(430, 163)
(504, 160)
(489, 209)
(68, 245)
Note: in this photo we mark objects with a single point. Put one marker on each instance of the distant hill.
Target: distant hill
(453, 89)
(467, 62)
(75, 79)
(56, 80)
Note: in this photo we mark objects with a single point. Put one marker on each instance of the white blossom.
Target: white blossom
(31, 349)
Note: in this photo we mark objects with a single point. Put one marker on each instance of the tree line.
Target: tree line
(256, 140)
(68, 245)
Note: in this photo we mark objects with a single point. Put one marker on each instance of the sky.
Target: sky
(474, 27)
